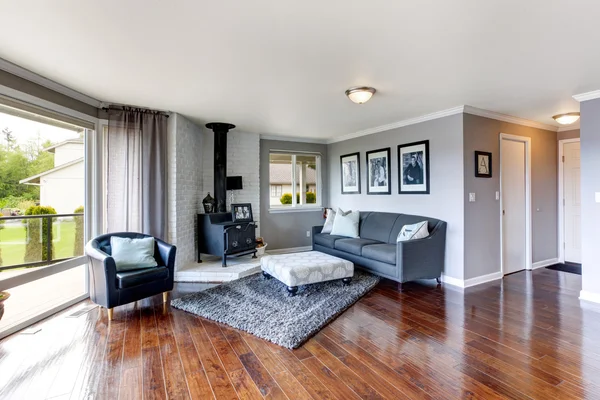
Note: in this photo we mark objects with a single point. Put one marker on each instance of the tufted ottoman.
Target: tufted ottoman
(304, 268)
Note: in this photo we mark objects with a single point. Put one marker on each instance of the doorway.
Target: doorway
(515, 203)
(569, 201)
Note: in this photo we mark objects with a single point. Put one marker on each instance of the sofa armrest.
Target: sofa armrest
(103, 275)
(167, 254)
(422, 258)
(315, 230)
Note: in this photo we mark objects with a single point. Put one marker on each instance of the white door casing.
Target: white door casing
(572, 201)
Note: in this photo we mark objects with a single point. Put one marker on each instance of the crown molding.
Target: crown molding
(399, 124)
(594, 94)
(47, 83)
(293, 139)
(509, 118)
(566, 128)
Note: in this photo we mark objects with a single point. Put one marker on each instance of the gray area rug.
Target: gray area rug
(263, 308)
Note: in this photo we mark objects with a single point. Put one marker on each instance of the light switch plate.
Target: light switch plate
(497, 195)
(471, 197)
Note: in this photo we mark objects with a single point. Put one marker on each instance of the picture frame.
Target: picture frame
(350, 173)
(413, 168)
(483, 164)
(241, 212)
(379, 171)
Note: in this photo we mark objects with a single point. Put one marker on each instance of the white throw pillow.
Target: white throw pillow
(412, 232)
(346, 224)
(329, 221)
(132, 253)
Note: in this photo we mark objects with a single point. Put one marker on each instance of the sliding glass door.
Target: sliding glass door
(44, 171)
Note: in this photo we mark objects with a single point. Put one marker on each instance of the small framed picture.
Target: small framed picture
(378, 172)
(350, 169)
(483, 164)
(413, 168)
(241, 212)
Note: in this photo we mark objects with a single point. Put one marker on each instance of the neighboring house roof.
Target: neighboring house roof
(54, 146)
(35, 180)
(281, 174)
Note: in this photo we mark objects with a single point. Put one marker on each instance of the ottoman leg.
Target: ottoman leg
(266, 275)
(292, 290)
(346, 281)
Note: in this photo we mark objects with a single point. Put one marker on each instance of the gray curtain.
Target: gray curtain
(136, 179)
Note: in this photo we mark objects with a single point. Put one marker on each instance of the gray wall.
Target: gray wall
(482, 221)
(445, 202)
(287, 230)
(590, 184)
(25, 86)
(572, 134)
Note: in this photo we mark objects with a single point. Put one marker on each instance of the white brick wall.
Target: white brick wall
(243, 159)
(190, 177)
(185, 185)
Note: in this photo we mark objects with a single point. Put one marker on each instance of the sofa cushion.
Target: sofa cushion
(377, 226)
(353, 246)
(346, 223)
(327, 240)
(381, 252)
(127, 279)
(406, 219)
(130, 253)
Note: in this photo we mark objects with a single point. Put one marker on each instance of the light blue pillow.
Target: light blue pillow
(132, 253)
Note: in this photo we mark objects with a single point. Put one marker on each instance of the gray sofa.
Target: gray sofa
(377, 251)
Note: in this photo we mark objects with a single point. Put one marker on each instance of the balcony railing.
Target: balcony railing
(38, 240)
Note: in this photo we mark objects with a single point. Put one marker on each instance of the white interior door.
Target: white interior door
(572, 201)
(513, 186)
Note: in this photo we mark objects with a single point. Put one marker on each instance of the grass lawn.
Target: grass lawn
(13, 238)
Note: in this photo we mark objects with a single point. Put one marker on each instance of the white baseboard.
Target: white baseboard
(473, 281)
(544, 263)
(289, 250)
(589, 296)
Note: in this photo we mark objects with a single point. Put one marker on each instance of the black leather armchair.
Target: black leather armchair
(110, 288)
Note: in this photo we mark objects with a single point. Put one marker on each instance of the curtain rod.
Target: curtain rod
(138, 109)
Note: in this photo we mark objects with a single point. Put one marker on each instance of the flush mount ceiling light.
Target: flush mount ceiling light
(360, 94)
(566, 119)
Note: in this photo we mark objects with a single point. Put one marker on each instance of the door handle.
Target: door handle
(503, 212)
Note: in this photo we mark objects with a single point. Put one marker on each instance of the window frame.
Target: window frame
(294, 207)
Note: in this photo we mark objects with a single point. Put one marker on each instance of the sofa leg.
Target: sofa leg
(400, 287)
(292, 290)
(165, 296)
(439, 281)
(110, 313)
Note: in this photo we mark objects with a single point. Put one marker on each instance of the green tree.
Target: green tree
(78, 248)
(38, 229)
(286, 198)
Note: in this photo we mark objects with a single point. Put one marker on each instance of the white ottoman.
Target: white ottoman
(297, 269)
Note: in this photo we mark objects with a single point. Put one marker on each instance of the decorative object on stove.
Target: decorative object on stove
(241, 212)
(234, 183)
(209, 204)
(220, 130)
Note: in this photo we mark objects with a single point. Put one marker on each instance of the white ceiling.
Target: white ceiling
(280, 67)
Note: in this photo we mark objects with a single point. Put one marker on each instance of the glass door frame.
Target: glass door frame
(94, 212)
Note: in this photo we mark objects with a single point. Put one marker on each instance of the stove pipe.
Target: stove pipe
(220, 130)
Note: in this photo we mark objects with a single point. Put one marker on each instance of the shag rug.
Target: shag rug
(263, 308)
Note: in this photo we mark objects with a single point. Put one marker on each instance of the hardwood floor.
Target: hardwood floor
(525, 337)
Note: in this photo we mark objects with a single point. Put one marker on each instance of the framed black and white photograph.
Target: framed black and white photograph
(483, 164)
(241, 212)
(350, 168)
(378, 172)
(413, 168)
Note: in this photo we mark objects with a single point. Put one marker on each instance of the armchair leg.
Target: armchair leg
(165, 296)
(110, 313)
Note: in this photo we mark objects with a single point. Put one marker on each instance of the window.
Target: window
(276, 190)
(295, 180)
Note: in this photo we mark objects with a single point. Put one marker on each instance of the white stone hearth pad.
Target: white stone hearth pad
(210, 270)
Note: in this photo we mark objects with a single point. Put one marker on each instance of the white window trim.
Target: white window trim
(318, 206)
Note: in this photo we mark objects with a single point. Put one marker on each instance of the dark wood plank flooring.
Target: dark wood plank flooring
(524, 337)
